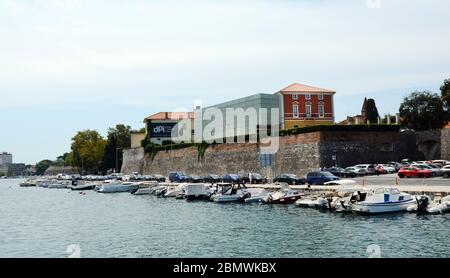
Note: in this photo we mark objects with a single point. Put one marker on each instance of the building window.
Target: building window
(308, 96)
(294, 96)
(321, 97)
(295, 110)
(321, 111)
(308, 110)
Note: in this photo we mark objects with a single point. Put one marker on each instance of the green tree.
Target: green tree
(445, 95)
(119, 138)
(422, 111)
(87, 151)
(371, 111)
(42, 166)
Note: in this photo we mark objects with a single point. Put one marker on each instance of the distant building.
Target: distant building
(303, 105)
(6, 158)
(16, 169)
(136, 139)
(159, 126)
(358, 119)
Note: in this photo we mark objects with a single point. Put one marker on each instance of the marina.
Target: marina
(133, 225)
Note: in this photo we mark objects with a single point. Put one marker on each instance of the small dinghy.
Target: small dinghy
(440, 206)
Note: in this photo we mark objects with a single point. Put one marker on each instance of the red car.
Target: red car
(413, 172)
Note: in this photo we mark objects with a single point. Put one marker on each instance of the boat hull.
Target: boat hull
(285, 200)
(368, 208)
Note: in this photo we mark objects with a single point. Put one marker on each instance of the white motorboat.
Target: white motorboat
(285, 195)
(317, 202)
(28, 183)
(255, 195)
(196, 191)
(440, 206)
(83, 186)
(174, 191)
(227, 192)
(145, 189)
(382, 200)
(58, 184)
(116, 187)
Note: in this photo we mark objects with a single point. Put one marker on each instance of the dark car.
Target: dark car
(231, 178)
(320, 177)
(341, 172)
(158, 178)
(256, 178)
(177, 177)
(290, 179)
(212, 178)
(195, 179)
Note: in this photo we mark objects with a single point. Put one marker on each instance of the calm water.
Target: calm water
(39, 222)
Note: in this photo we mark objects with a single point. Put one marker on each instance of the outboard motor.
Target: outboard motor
(329, 201)
(422, 205)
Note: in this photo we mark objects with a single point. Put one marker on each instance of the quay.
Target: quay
(430, 190)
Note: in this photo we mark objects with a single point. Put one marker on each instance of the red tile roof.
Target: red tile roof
(301, 88)
(170, 116)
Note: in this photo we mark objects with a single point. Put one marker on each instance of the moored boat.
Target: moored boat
(196, 191)
(116, 187)
(382, 200)
(285, 195)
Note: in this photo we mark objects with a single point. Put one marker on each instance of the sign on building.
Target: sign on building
(161, 130)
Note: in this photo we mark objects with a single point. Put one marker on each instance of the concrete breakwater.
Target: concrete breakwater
(297, 154)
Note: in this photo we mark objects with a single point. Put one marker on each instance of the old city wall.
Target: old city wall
(297, 154)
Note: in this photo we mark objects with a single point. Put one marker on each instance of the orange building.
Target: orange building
(303, 105)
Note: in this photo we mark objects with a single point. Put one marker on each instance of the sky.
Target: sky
(70, 65)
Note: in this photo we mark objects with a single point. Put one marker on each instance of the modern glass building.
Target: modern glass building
(248, 116)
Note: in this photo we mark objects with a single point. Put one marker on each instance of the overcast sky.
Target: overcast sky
(69, 65)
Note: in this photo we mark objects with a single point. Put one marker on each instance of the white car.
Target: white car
(388, 168)
(357, 171)
(446, 171)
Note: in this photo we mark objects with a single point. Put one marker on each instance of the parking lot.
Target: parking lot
(392, 179)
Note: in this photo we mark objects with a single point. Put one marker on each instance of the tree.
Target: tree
(42, 166)
(445, 95)
(371, 111)
(422, 111)
(87, 151)
(119, 138)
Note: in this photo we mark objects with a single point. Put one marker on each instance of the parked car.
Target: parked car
(159, 178)
(320, 177)
(370, 168)
(434, 171)
(290, 179)
(446, 171)
(341, 172)
(212, 178)
(388, 168)
(396, 165)
(231, 178)
(195, 179)
(256, 178)
(356, 171)
(178, 177)
(414, 172)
